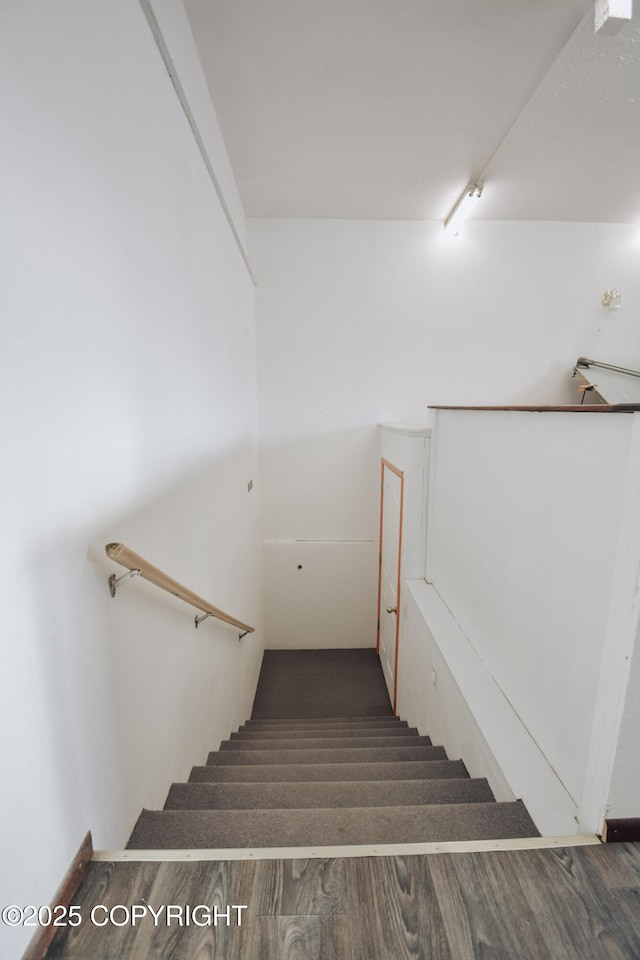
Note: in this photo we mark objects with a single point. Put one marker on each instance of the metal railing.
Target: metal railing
(583, 362)
(139, 567)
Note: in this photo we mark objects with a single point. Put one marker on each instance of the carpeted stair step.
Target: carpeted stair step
(317, 732)
(333, 722)
(327, 755)
(191, 829)
(326, 743)
(302, 795)
(294, 772)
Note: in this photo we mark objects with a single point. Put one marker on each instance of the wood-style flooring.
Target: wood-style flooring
(572, 903)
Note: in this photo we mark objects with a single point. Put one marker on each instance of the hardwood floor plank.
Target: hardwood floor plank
(105, 884)
(618, 864)
(215, 888)
(629, 902)
(302, 887)
(394, 911)
(608, 923)
(303, 938)
(484, 912)
(578, 917)
(242, 940)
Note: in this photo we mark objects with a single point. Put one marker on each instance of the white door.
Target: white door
(392, 483)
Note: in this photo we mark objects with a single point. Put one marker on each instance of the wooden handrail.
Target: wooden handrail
(134, 562)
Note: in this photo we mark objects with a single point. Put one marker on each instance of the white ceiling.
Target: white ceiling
(386, 109)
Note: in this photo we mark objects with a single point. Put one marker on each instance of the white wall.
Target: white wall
(128, 412)
(524, 516)
(527, 516)
(521, 657)
(624, 794)
(408, 449)
(364, 322)
(615, 762)
(432, 694)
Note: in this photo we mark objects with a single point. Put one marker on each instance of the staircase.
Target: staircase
(328, 782)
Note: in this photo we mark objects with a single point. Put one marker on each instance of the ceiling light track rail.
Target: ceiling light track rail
(463, 207)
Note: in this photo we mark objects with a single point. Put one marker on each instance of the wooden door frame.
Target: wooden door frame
(399, 473)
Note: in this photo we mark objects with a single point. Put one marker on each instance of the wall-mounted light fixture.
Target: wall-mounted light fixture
(611, 299)
(463, 208)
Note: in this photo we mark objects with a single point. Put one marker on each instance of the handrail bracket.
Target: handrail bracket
(115, 581)
(197, 620)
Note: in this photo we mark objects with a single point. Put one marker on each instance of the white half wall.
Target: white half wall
(623, 800)
(128, 412)
(533, 555)
(445, 689)
(614, 769)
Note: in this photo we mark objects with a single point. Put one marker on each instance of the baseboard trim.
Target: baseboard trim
(379, 850)
(625, 830)
(72, 879)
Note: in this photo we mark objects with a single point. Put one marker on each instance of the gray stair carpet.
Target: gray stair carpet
(340, 793)
(191, 829)
(335, 755)
(327, 723)
(313, 733)
(357, 775)
(293, 772)
(325, 743)
(321, 683)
